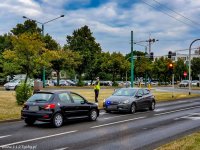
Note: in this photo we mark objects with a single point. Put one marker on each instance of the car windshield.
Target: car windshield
(125, 92)
(14, 81)
(40, 97)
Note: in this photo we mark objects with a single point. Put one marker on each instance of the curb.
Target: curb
(10, 120)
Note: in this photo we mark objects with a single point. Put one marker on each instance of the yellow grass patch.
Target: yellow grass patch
(190, 142)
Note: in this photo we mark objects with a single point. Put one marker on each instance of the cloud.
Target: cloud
(111, 22)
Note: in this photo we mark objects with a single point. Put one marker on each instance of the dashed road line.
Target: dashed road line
(35, 139)
(117, 122)
(4, 136)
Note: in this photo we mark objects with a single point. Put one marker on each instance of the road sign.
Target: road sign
(185, 73)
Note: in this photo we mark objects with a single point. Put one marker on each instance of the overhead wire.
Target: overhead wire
(176, 12)
(164, 12)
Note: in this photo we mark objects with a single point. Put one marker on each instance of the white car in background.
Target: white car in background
(12, 84)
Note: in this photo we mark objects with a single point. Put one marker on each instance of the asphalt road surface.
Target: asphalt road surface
(117, 131)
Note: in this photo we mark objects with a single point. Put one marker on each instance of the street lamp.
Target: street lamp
(190, 65)
(43, 72)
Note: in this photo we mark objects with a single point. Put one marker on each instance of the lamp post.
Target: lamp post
(43, 71)
(190, 65)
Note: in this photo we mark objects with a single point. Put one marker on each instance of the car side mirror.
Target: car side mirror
(83, 102)
(138, 96)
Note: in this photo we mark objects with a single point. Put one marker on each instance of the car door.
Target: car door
(67, 107)
(82, 107)
(147, 97)
(140, 99)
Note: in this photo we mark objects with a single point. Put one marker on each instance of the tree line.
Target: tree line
(25, 50)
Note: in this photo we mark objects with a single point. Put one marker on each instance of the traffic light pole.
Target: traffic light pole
(132, 60)
(173, 85)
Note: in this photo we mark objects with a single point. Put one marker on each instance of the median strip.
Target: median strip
(103, 125)
(30, 140)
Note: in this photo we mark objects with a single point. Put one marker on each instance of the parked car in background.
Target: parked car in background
(56, 107)
(12, 85)
(63, 83)
(49, 83)
(184, 83)
(71, 83)
(195, 83)
(129, 100)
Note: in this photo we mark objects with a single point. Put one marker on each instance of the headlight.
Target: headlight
(126, 101)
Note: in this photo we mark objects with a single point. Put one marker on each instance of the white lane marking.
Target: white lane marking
(103, 125)
(4, 136)
(193, 116)
(102, 113)
(115, 117)
(62, 148)
(176, 111)
(44, 137)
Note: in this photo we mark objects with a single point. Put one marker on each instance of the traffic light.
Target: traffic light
(171, 68)
(170, 54)
(151, 56)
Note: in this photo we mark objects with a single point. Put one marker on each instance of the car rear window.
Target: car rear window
(40, 97)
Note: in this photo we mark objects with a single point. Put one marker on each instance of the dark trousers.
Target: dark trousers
(96, 95)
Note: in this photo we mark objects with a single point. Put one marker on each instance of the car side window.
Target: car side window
(64, 97)
(146, 92)
(140, 93)
(77, 99)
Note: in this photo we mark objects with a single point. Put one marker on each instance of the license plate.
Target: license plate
(33, 108)
(112, 107)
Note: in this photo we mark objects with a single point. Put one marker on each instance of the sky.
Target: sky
(175, 24)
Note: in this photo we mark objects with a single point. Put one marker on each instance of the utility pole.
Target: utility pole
(132, 60)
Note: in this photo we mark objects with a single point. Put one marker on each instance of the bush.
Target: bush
(80, 83)
(115, 84)
(23, 92)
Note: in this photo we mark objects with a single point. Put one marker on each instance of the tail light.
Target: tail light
(50, 106)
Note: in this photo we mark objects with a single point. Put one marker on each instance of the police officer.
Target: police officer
(96, 89)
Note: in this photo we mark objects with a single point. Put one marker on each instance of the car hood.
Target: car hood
(10, 84)
(118, 98)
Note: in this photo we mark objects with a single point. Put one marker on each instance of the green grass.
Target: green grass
(190, 142)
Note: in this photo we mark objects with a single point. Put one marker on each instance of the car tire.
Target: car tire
(93, 115)
(108, 111)
(152, 106)
(29, 121)
(132, 109)
(57, 120)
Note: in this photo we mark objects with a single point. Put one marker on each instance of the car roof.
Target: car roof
(53, 91)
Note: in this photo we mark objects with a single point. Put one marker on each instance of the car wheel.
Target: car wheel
(57, 120)
(29, 121)
(108, 111)
(93, 115)
(152, 106)
(132, 109)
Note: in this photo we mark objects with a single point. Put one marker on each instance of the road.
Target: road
(117, 131)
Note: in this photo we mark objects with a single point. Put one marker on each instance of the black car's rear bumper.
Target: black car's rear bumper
(41, 116)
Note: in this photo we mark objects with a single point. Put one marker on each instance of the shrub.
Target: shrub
(80, 83)
(23, 92)
(115, 84)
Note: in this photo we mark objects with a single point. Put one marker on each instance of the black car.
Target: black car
(129, 100)
(56, 107)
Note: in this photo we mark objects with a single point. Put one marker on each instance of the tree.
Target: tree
(29, 26)
(195, 67)
(66, 60)
(117, 64)
(28, 54)
(179, 69)
(84, 43)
